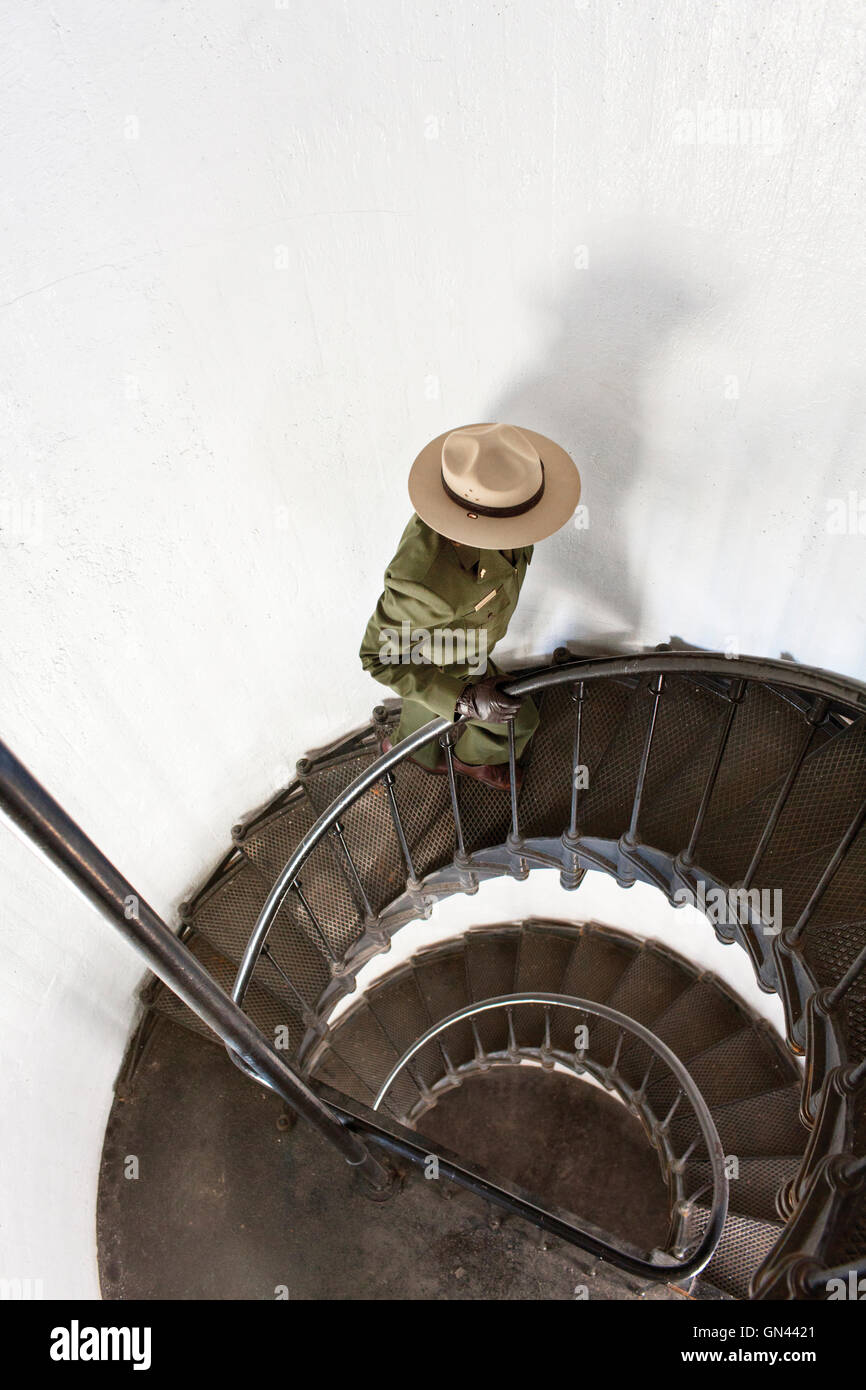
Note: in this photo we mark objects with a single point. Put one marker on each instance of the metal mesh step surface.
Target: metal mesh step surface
(299, 970)
(744, 1125)
(491, 966)
(545, 799)
(597, 962)
(362, 1045)
(686, 719)
(325, 878)
(543, 958)
(444, 986)
(275, 1017)
(765, 737)
(699, 1018)
(403, 1017)
(367, 826)
(752, 1192)
(650, 985)
(741, 1065)
(745, 1243)
(829, 952)
(827, 790)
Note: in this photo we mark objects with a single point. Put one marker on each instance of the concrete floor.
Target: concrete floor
(229, 1204)
(553, 1134)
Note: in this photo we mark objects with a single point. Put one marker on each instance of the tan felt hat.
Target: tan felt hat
(494, 486)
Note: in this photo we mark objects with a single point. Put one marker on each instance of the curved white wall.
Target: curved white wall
(255, 254)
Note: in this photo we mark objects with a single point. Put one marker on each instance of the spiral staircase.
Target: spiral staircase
(740, 782)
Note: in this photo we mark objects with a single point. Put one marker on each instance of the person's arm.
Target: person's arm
(409, 606)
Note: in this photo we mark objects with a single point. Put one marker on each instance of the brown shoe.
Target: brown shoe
(491, 774)
(439, 770)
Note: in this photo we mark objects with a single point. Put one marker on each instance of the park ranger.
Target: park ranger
(483, 495)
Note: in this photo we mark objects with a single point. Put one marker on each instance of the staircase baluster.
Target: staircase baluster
(738, 690)
(641, 1090)
(857, 1074)
(302, 897)
(813, 719)
(447, 741)
(344, 862)
(690, 1201)
(307, 1014)
(854, 1170)
(792, 936)
(353, 868)
(578, 694)
(851, 976)
(512, 770)
(480, 1053)
(669, 1116)
(545, 1046)
(388, 780)
(629, 839)
(571, 874)
(612, 1069)
(680, 1163)
(450, 1069)
(519, 868)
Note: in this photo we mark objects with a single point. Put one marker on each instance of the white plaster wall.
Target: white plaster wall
(254, 256)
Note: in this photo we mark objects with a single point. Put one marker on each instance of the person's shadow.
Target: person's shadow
(588, 392)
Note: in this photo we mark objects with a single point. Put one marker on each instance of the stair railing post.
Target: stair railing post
(813, 719)
(413, 883)
(462, 861)
(738, 690)
(629, 840)
(519, 868)
(572, 875)
(791, 936)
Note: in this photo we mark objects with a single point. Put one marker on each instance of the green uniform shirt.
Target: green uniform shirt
(443, 610)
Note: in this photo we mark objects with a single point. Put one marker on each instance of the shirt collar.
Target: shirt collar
(468, 555)
(470, 558)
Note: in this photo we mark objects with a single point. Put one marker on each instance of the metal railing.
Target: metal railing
(679, 1263)
(35, 813)
(823, 689)
(822, 698)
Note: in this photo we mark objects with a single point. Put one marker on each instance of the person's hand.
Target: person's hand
(487, 702)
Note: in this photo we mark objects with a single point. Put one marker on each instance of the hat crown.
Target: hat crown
(492, 465)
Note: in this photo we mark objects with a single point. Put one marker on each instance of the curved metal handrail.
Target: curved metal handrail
(811, 680)
(719, 1208)
(827, 690)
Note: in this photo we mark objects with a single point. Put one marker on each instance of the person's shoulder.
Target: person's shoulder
(419, 549)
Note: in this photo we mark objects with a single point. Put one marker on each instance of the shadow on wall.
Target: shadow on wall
(588, 392)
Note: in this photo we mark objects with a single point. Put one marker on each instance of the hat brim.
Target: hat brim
(556, 506)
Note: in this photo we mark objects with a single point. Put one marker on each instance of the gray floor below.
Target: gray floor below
(228, 1204)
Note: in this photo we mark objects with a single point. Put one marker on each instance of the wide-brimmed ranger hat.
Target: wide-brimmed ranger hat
(494, 486)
